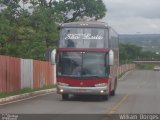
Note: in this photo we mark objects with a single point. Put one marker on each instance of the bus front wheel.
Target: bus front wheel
(112, 93)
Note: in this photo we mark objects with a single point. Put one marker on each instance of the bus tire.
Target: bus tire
(65, 96)
(112, 93)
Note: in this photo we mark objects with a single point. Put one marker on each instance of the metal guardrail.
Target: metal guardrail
(146, 61)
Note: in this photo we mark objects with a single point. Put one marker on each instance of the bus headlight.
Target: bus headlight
(61, 90)
(102, 91)
(100, 85)
(62, 84)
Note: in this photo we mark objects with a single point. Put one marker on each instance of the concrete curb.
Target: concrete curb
(122, 78)
(26, 95)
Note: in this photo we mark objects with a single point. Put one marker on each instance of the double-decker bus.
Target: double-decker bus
(87, 59)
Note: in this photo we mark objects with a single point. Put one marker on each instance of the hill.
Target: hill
(149, 42)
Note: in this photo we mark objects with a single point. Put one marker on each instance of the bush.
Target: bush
(145, 66)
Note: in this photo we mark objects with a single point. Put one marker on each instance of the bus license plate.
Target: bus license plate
(82, 91)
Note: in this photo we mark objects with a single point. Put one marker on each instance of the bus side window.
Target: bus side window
(113, 39)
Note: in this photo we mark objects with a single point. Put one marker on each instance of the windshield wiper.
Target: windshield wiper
(71, 76)
(92, 76)
(83, 76)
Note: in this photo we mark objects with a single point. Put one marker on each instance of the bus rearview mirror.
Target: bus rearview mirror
(111, 57)
(53, 56)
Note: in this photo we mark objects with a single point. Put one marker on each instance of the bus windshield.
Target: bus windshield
(81, 64)
(83, 38)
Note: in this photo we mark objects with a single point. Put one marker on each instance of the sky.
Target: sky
(133, 16)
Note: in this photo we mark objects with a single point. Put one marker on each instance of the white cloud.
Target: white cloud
(132, 16)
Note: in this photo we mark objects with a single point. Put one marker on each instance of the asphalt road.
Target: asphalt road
(138, 92)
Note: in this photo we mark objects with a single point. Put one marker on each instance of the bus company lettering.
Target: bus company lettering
(83, 36)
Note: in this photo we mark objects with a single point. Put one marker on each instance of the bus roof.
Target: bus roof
(89, 24)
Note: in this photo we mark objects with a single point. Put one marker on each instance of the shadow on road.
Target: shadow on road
(86, 98)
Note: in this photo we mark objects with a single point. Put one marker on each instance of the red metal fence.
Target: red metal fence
(9, 74)
(42, 74)
(124, 68)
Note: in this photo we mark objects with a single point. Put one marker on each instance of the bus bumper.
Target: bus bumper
(82, 90)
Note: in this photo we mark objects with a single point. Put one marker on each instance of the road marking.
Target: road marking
(25, 99)
(115, 108)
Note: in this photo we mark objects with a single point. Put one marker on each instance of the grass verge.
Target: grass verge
(145, 66)
(25, 90)
(119, 76)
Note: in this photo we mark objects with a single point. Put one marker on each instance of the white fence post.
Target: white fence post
(26, 73)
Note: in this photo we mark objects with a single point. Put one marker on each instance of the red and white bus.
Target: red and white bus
(87, 59)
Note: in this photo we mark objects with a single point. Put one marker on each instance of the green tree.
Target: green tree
(24, 34)
(5, 30)
(129, 52)
(74, 10)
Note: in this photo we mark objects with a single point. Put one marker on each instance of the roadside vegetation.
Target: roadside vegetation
(145, 66)
(129, 53)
